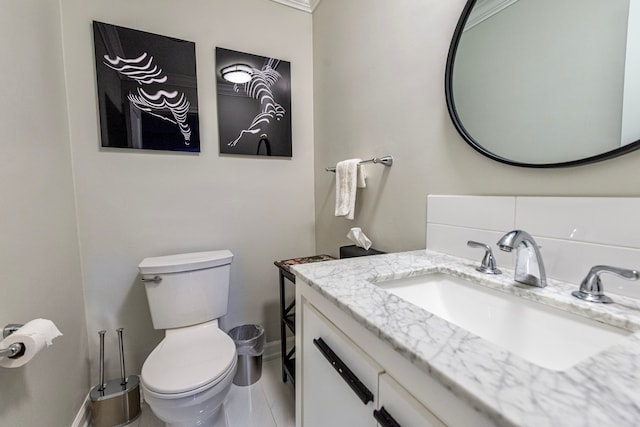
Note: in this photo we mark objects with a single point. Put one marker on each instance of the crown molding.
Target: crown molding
(305, 5)
(485, 9)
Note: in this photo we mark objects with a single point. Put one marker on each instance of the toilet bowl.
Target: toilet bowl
(188, 375)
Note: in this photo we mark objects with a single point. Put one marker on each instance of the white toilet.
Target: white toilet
(187, 376)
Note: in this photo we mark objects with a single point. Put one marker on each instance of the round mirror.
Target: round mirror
(546, 83)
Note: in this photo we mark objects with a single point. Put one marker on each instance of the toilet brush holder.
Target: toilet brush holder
(115, 404)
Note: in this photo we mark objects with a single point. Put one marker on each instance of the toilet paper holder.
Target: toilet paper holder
(15, 349)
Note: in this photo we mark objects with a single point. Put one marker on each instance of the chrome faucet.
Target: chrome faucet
(529, 266)
(591, 288)
(488, 263)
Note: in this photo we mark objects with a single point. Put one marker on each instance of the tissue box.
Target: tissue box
(354, 251)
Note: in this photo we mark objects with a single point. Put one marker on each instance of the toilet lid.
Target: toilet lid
(188, 359)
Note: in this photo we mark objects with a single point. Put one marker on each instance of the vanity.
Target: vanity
(372, 352)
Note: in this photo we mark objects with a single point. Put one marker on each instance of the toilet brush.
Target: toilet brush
(116, 402)
(123, 377)
(101, 385)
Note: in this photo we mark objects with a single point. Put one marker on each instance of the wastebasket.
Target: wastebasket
(249, 340)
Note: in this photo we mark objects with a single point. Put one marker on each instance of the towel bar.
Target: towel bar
(386, 160)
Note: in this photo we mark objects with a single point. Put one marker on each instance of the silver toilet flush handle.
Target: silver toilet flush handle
(591, 288)
(488, 263)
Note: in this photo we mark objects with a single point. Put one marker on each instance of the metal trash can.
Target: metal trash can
(249, 340)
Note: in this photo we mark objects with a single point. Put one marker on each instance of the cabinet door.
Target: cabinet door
(397, 406)
(335, 394)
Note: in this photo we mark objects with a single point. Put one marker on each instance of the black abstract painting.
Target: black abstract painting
(254, 109)
(147, 90)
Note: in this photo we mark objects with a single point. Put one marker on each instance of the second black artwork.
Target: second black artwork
(254, 112)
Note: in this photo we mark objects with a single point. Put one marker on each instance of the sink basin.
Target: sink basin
(548, 337)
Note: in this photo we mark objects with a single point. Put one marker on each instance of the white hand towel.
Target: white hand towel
(346, 185)
(362, 177)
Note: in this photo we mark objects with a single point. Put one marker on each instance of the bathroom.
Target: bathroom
(77, 219)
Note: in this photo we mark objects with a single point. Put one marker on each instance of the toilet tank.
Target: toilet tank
(186, 289)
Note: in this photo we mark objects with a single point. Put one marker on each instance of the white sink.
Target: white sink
(548, 337)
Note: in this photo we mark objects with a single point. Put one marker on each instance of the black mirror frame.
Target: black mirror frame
(448, 87)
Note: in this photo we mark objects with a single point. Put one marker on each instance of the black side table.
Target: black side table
(288, 315)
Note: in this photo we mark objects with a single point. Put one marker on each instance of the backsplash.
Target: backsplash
(574, 233)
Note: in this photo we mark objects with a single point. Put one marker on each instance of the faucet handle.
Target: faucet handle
(488, 264)
(591, 288)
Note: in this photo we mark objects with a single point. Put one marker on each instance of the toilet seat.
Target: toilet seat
(188, 361)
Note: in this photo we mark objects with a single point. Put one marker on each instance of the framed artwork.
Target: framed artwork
(147, 90)
(254, 104)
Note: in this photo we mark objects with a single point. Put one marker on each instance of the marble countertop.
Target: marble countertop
(603, 390)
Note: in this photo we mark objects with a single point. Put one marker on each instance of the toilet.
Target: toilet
(187, 376)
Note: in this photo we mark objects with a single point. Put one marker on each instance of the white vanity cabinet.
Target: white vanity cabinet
(340, 381)
(323, 398)
(343, 386)
(396, 405)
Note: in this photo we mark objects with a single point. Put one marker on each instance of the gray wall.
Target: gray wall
(134, 204)
(363, 108)
(39, 255)
(76, 219)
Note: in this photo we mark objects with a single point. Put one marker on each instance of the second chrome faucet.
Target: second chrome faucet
(529, 265)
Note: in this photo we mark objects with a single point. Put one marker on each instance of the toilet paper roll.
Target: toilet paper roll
(35, 335)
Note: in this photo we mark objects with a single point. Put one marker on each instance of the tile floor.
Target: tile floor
(267, 403)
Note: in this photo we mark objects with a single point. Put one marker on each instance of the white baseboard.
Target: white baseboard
(83, 417)
(272, 348)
